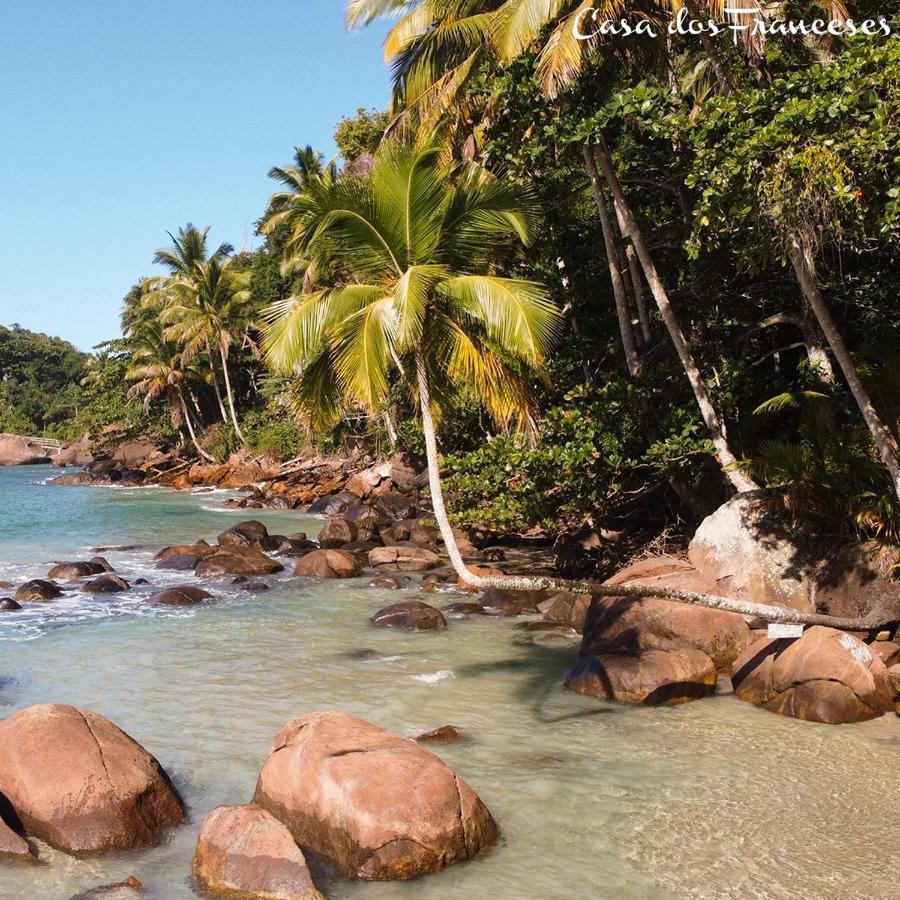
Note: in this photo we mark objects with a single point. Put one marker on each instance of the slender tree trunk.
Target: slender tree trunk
(544, 583)
(804, 268)
(215, 382)
(612, 258)
(720, 68)
(714, 422)
(390, 427)
(815, 343)
(190, 428)
(637, 285)
(229, 394)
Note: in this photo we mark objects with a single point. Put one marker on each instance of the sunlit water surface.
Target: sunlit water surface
(709, 800)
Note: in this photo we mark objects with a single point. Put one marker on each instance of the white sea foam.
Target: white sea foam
(433, 677)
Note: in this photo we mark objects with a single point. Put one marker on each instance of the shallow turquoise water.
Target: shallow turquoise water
(712, 799)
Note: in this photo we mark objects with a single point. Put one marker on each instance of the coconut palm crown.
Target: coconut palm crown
(415, 247)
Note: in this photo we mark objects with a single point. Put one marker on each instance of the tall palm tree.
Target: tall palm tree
(189, 248)
(157, 371)
(210, 306)
(435, 49)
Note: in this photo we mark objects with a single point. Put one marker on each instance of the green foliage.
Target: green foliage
(361, 135)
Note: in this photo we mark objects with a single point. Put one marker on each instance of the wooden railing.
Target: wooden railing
(46, 443)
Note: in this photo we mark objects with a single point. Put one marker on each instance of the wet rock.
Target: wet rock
(463, 609)
(183, 595)
(333, 505)
(328, 564)
(7, 604)
(5, 584)
(237, 560)
(295, 546)
(824, 676)
(378, 806)
(446, 734)
(257, 587)
(566, 608)
(121, 890)
(73, 479)
(497, 602)
(385, 582)
(37, 590)
(106, 584)
(627, 624)
(251, 533)
(12, 845)
(404, 558)
(81, 784)
(246, 850)
(69, 571)
(651, 677)
(180, 562)
(101, 563)
(336, 532)
(752, 549)
(411, 615)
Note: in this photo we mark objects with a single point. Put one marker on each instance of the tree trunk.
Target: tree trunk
(228, 392)
(815, 343)
(720, 69)
(390, 428)
(215, 383)
(190, 428)
(612, 259)
(805, 270)
(714, 422)
(637, 285)
(545, 583)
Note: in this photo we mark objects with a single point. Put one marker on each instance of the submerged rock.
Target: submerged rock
(237, 560)
(328, 564)
(651, 677)
(12, 845)
(411, 615)
(121, 889)
(80, 783)
(183, 595)
(446, 734)
(69, 571)
(824, 676)
(106, 584)
(37, 590)
(378, 806)
(497, 602)
(246, 850)
(7, 604)
(404, 558)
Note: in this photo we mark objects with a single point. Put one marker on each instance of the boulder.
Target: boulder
(502, 602)
(887, 651)
(894, 673)
(180, 562)
(328, 564)
(76, 454)
(651, 677)
(244, 533)
(246, 850)
(333, 505)
(407, 472)
(69, 571)
(336, 532)
(629, 625)
(201, 550)
(12, 845)
(183, 595)
(133, 454)
(752, 550)
(101, 564)
(237, 560)
(404, 558)
(395, 507)
(446, 734)
(566, 608)
(106, 584)
(378, 806)
(824, 676)
(73, 479)
(19, 451)
(858, 581)
(37, 590)
(81, 784)
(7, 604)
(463, 609)
(410, 615)
(385, 583)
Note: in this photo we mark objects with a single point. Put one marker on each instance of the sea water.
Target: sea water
(713, 799)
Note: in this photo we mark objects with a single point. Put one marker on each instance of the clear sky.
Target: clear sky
(122, 119)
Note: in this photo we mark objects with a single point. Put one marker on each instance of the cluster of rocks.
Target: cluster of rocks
(374, 805)
(16, 450)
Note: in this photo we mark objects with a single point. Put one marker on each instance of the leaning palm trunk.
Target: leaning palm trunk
(637, 285)
(190, 427)
(215, 383)
(544, 583)
(615, 274)
(711, 417)
(230, 395)
(804, 268)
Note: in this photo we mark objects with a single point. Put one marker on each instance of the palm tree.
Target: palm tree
(157, 372)
(189, 249)
(436, 48)
(210, 306)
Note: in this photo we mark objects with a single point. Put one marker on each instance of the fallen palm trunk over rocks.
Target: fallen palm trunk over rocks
(76, 781)
(378, 806)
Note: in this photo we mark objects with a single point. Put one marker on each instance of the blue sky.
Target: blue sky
(122, 119)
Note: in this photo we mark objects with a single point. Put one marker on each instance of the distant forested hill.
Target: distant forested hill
(39, 380)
